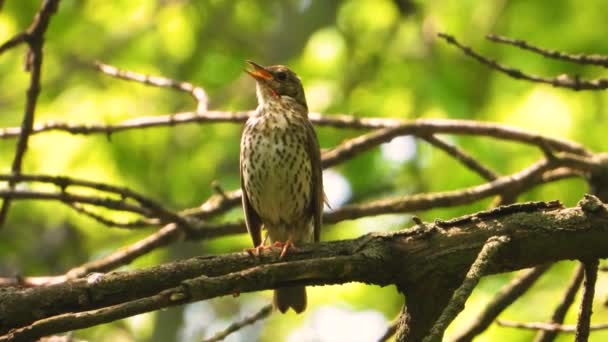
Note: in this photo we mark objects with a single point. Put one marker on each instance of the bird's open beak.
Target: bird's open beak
(259, 72)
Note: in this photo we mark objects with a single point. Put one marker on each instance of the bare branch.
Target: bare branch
(560, 311)
(263, 313)
(564, 81)
(34, 37)
(153, 207)
(65, 196)
(458, 154)
(405, 204)
(135, 224)
(460, 296)
(125, 255)
(549, 327)
(417, 127)
(574, 58)
(198, 93)
(586, 308)
(507, 295)
(18, 39)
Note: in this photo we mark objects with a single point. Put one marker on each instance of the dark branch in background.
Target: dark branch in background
(467, 160)
(560, 311)
(34, 37)
(374, 258)
(134, 224)
(460, 296)
(507, 295)
(548, 327)
(148, 207)
(263, 313)
(586, 308)
(599, 60)
(64, 196)
(13, 42)
(564, 81)
(198, 93)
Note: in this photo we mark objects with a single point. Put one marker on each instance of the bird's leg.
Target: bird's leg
(284, 247)
(255, 251)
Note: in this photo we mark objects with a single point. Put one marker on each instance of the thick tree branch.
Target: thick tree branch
(444, 249)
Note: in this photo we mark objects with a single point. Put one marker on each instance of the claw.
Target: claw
(256, 251)
(284, 247)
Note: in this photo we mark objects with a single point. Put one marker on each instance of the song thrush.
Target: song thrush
(281, 176)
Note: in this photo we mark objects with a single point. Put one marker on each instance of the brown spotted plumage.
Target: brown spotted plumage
(281, 175)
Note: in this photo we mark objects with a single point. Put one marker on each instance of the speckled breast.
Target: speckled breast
(276, 168)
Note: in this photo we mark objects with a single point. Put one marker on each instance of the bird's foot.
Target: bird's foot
(284, 247)
(256, 251)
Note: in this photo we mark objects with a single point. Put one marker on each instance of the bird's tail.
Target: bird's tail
(290, 297)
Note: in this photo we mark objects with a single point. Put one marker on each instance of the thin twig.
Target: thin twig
(586, 309)
(156, 209)
(125, 255)
(560, 311)
(549, 327)
(65, 196)
(600, 60)
(263, 313)
(460, 296)
(34, 37)
(405, 204)
(18, 39)
(136, 224)
(564, 81)
(507, 295)
(463, 157)
(198, 93)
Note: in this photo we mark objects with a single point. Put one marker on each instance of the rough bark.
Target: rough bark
(427, 262)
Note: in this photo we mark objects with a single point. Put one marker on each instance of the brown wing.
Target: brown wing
(252, 219)
(314, 153)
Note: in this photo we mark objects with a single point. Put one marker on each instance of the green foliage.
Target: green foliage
(369, 58)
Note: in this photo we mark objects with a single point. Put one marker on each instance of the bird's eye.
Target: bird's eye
(281, 76)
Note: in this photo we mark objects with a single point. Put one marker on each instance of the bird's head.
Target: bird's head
(276, 82)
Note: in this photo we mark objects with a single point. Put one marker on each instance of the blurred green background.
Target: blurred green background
(366, 57)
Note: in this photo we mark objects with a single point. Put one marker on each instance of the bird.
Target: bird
(281, 174)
